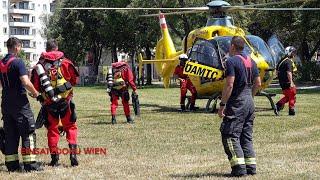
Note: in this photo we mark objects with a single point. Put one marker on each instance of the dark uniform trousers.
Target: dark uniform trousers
(18, 121)
(236, 131)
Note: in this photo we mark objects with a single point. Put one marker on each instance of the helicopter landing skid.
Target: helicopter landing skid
(210, 107)
(269, 96)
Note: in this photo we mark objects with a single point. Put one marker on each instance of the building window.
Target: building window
(34, 57)
(33, 19)
(25, 31)
(25, 18)
(25, 44)
(13, 31)
(5, 44)
(33, 32)
(5, 18)
(4, 4)
(34, 44)
(33, 6)
(52, 7)
(44, 7)
(5, 30)
(24, 5)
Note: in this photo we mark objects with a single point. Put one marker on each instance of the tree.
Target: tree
(300, 29)
(92, 30)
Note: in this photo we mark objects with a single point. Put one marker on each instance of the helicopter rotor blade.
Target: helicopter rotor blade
(274, 9)
(275, 3)
(107, 8)
(174, 13)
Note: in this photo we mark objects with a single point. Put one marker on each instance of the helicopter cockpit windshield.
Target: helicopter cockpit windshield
(223, 43)
(263, 49)
(214, 52)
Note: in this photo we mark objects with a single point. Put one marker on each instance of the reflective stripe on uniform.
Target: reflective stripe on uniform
(29, 158)
(13, 157)
(249, 161)
(234, 159)
(31, 141)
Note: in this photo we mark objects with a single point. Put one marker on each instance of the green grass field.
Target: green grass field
(164, 143)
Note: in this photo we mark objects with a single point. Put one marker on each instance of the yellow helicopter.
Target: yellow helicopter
(207, 49)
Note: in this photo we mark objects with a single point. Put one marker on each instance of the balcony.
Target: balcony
(29, 49)
(17, 1)
(23, 37)
(21, 11)
(21, 24)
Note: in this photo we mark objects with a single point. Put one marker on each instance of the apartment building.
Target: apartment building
(24, 19)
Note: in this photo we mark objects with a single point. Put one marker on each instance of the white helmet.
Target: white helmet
(290, 50)
(183, 57)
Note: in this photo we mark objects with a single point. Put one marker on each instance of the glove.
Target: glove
(40, 98)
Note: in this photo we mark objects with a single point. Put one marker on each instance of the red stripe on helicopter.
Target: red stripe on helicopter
(163, 23)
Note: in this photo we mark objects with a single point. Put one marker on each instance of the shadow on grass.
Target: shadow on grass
(108, 122)
(263, 109)
(101, 122)
(199, 175)
(153, 86)
(161, 109)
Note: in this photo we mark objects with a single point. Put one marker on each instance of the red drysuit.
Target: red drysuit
(54, 112)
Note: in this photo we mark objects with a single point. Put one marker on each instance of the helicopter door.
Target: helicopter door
(205, 52)
(276, 47)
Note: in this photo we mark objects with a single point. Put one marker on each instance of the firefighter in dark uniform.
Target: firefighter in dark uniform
(58, 108)
(285, 69)
(237, 109)
(18, 120)
(185, 84)
(122, 78)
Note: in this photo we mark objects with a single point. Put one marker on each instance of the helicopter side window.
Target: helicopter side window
(263, 49)
(276, 47)
(204, 52)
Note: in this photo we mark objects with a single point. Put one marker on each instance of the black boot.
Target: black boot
(183, 108)
(251, 169)
(33, 166)
(113, 120)
(278, 108)
(192, 107)
(54, 160)
(2, 140)
(129, 120)
(13, 166)
(238, 171)
(292, 112)
(73, 154)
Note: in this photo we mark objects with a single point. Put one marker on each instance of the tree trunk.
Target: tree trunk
(305, 51)
(114, 53)
(149, 70)
(305, 59)
(133, 65)
(186, 24)
(97, 50)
